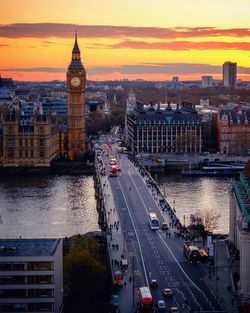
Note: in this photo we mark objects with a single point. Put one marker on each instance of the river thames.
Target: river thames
(47, 206)
(59, 206)
(191, 194)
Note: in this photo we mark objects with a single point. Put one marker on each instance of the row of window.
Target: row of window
(26, 307)
(153, 149)
(26, 293)
(25, 154)
(30, 279)
(25, 142)
(29, 266)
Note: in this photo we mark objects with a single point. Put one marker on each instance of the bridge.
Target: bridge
(124, 203)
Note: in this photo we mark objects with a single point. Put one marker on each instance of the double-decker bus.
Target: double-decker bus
(153, 221)
(145, 300)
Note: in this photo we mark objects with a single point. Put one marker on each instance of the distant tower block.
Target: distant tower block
(76, 80)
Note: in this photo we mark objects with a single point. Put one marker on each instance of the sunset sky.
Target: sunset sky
(124, 39)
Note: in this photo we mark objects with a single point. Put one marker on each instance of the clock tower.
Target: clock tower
(76, 79)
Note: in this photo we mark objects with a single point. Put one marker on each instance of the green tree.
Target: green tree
(87, 277)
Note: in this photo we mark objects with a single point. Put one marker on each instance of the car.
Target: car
(167, 292)
(164, 226)
(174, 309)
(161, 305)
(154, 283)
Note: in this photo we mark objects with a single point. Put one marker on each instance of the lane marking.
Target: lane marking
(174, 257)
(139, 244)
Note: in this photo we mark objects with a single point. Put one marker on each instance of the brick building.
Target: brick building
(234, 131)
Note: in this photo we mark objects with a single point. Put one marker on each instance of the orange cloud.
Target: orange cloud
(180, 45)
(62, 30)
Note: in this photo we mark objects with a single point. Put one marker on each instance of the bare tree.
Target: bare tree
(210, 220)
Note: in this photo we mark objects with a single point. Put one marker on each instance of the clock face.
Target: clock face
(75, 81)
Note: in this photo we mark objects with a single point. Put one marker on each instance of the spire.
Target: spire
(76, 56)
(76, 47)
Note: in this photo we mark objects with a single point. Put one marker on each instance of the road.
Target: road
(152, 254)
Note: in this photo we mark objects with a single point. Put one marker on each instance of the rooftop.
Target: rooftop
(27, 247)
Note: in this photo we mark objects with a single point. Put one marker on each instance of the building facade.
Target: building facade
(230, 74)
(31, 275)
(76, 80)
(233, 126)
(28, 141)
(239, 231)
(165, 131)
(206, 81)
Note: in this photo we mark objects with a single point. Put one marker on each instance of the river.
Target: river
(191, 194)
(47, 206)
(59, 206)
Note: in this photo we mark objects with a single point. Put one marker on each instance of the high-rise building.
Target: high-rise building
(206, 81)
(230, 74)
(76, 79)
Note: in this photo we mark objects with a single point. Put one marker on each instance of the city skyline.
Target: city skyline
(119, 40)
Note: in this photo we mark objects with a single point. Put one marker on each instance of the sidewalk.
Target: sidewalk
(218, 278)
(118, 250)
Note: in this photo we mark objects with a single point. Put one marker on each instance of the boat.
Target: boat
(215, 170)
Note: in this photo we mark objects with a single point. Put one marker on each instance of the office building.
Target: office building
(206, 81)
(31, 275)
(230, 74)
(165, 131)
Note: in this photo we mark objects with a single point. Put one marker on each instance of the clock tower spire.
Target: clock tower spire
(76, 80)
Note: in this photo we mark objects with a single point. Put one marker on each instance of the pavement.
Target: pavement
(218, 277)
(118, 250)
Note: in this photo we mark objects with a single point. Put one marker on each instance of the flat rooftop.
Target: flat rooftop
(27, 247)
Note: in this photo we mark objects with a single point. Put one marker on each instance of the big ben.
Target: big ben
(76, 79)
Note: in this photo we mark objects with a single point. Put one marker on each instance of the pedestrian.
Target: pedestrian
(117, 246)
(125, 284)
(130, 279)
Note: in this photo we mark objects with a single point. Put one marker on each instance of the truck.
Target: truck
(191, 252)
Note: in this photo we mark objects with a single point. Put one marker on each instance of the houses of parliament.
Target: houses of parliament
(37, 139)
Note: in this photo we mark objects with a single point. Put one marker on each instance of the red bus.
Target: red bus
(145, 300)
(113, 171)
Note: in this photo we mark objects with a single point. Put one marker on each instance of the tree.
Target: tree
(87, 277)
(210, 220)
(196, 226)
(203, 222)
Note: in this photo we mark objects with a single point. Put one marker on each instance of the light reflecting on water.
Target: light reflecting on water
(189, 195)
(47, 206)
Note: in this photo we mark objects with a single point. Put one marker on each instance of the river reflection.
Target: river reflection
(47, 206)
(189, 194)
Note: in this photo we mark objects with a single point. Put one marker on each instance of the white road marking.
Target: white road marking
(174, 257)
(139, 244)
